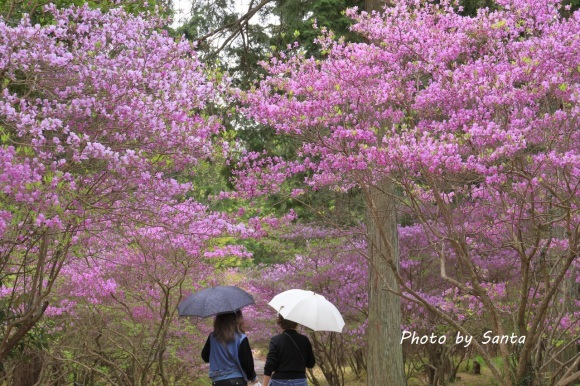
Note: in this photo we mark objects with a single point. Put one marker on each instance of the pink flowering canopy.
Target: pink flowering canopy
(474, 119)
(102, 122)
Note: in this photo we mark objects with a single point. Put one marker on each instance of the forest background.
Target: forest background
(419, 167)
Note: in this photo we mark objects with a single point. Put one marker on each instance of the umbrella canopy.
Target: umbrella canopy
(309, 309)
(214, 301)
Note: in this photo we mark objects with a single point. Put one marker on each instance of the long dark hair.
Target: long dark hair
(226, 326)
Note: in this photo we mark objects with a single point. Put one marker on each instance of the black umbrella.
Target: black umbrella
(214, 301)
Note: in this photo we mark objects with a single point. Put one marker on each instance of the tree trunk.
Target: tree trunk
(375, 5)
(385, 355)
(27, 371)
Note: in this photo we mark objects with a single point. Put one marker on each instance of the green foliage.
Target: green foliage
(13, 10)
(37, 338)
(211, 177)
(207, 16)
(298, 16)
(273, 250)
(470, 7)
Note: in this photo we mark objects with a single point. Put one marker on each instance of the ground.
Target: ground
(464, 379)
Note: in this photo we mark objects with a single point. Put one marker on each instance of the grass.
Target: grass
(350, 379)
(463, 379)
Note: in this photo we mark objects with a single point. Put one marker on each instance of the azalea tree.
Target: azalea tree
(471, 124)
(444, 349)
(102, 122)
(116, 309)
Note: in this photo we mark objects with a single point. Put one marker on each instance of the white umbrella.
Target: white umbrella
(309, 309)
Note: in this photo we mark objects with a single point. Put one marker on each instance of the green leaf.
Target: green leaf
(499, 24)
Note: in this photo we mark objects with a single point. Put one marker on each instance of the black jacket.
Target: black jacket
(285, 360)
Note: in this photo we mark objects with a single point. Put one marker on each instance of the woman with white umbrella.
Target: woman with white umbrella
(289, 354)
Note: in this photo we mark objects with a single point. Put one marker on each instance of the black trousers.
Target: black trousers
(230, 382)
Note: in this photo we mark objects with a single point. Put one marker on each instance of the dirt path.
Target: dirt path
(259, 366)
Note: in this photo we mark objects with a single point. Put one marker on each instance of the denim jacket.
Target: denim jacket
(225, 364)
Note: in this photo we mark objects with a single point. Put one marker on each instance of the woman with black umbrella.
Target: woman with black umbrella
(228, 352)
